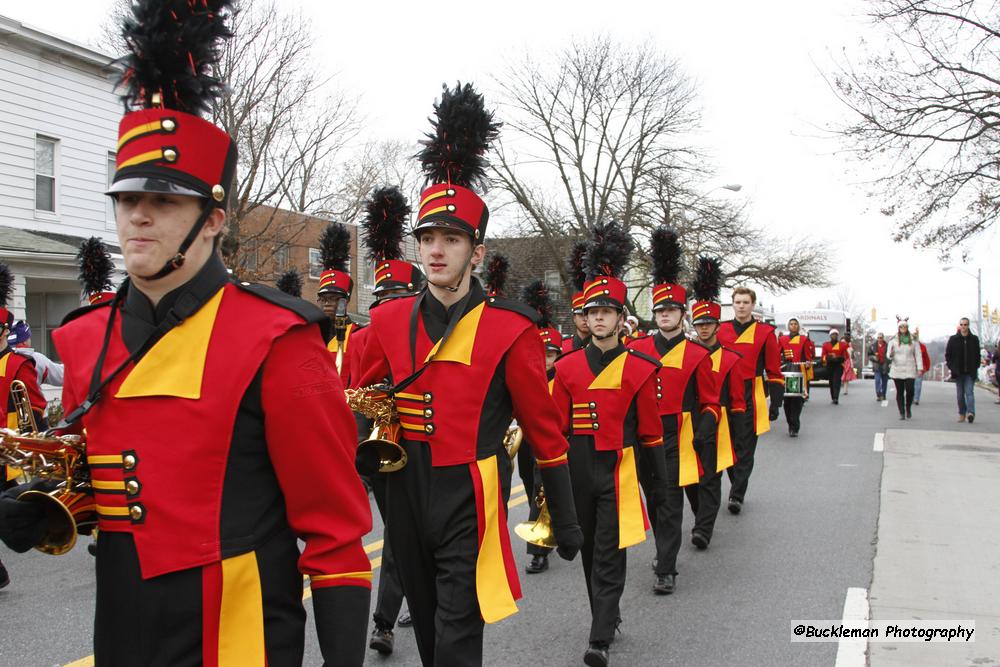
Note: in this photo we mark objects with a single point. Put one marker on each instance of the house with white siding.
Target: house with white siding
(58, 131)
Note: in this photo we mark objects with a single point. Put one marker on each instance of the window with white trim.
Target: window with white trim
(45, 174)
(315, 267)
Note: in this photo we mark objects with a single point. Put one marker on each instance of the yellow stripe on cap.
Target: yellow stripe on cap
(139, 130)
(142, 158)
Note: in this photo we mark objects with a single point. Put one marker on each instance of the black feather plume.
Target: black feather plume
(707, 280)
(386, 215)
(174, 51)
(576, 271)
(536, 295)
(455, 151)
(665, 251)
(6, 285)
(335, 247)
(608, 251)
(290, 282)
(495, 276)
(95, 265)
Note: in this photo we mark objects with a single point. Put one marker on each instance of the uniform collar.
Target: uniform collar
(436, 316)
(740, 326)
(663, 345)
(598, 360)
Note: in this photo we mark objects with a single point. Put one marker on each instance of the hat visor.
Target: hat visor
(662, 305)
(705, 319)
(603, 302)
(444, 223)
(145, 184)
(332, 290)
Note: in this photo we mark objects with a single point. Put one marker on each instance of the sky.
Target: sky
(766, 113)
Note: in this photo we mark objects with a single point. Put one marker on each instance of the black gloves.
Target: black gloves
(777, 396)
(559, 499)
(22, 524)
(704, 434)
(654, 461)
(342, 624)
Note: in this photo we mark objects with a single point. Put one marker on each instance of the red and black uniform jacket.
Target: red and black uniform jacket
(491, 368)
(17, 367)
(686, 398)
(574, 342)
(796, 353)
(757, 346)
(607, 400)
(230, 433)
(731, 395)
(834, 353)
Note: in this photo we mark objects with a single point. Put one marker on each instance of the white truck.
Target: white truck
(816, 323)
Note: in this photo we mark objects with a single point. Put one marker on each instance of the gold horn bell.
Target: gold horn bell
(538, 532)
(381, 450)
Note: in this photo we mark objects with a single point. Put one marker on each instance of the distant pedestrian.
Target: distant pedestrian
(962, 356)
(905, 365)
(918, 383)
(834, 353)
(996, 369)
(879, 358)
(849, 372)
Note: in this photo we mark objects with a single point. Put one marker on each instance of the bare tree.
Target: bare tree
(926, 109)
(604, 131)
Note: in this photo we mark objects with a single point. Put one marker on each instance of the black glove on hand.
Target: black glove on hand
(342, 624)
(655, 462)
(559, 499)
(704, 434)
(22, 524)
(777, 396)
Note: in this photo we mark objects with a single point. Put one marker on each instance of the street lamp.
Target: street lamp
(978, 275)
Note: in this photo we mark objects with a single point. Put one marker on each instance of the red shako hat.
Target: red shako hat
(707, 282)
(335, 256)
(607, 255)
(386, 214)
(536, 294)
(578, 275)
(665, 252)
(96, 269)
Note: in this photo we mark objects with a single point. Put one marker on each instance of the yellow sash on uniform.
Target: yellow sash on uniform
(493, 590)
(688, 459)
(723, 443)
(761, 422)
(631, 516)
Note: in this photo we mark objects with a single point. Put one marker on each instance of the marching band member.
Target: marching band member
(797, 353)
(833, 355)
(191, 389)
(581, 334)
(760, 367)
(536, 295)
(334, 293)
(606, 396)
(463, 364)
(387, 214)
(14, 367)
(719, 455)
(290, 282)
(687, 406)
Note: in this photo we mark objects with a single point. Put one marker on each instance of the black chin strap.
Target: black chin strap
(177, 261)
(461, 277)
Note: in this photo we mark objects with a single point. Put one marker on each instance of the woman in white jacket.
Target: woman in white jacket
(906, 363)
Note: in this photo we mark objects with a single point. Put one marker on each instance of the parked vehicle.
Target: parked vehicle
(816, 323)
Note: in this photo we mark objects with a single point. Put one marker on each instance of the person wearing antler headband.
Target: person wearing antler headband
(462, 363)
(191, 390)
(760, 366)
(688, 407)
(581, 333)
(606, 396)
(706, 312)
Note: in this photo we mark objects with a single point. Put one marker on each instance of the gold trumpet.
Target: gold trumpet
(382, 447)
(538, 532)
(70, 507)
(512, 441)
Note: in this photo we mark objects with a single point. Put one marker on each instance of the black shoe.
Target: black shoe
(909, 415)
(664, 584)
(971, 418)
(793, 433)
(381, 640)
(700, 540)
(539, 563)
(405, 621)
(902, 415)
(916, 402)
(596, 655)
(735, 506)
(836, 402)
(4, 577)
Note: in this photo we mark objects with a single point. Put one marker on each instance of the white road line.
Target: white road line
(851, 652)
(879, 444)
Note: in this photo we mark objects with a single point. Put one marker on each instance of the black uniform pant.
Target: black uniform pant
(836, 377)
(793, 412)
(531, 477)
(744, 436)
(593, 475)
(708, 499)
(390, 590)
(665, 500)
(432, 525)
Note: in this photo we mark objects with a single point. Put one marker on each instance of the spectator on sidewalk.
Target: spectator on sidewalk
(905, 365)
(879, 359)
(962, 356)
(849, 372)
(918, 383)
(996, 370)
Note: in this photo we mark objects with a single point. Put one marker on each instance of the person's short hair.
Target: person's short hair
(964, 319)
(747, 291)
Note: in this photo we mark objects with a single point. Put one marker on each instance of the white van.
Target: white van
(816, 323)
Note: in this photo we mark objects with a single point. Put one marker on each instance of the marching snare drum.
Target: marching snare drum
(794, 384)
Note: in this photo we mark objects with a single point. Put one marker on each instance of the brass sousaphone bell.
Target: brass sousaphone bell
(381, 452)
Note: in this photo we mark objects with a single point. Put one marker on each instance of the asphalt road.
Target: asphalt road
(806, 535)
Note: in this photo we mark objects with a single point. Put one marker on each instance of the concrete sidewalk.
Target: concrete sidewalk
(938, 554)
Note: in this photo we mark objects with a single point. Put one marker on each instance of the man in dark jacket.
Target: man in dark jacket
(962, 357)
(880, 364)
